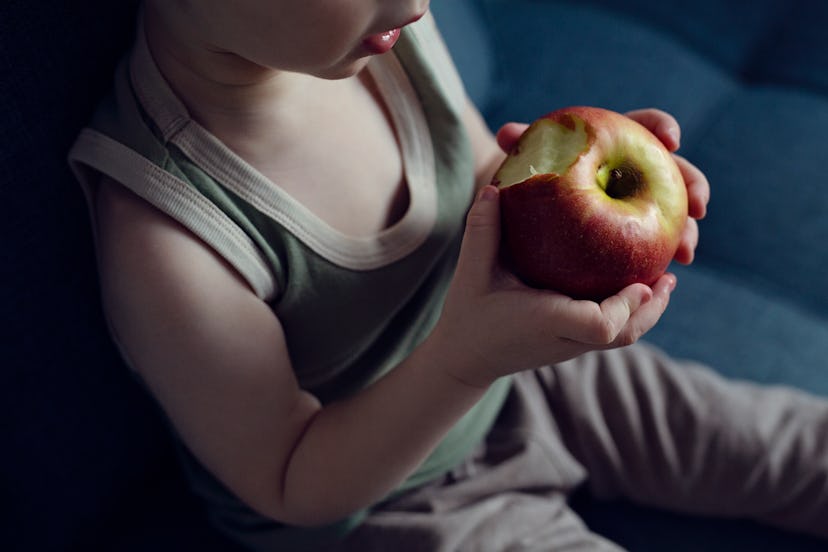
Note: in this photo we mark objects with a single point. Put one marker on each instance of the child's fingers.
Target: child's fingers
(597, 324)
(698, 188)
(508, 135)
(643, 319)
(660, 123)
(689, 240)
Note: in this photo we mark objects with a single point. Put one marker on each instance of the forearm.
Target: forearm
(355, 451)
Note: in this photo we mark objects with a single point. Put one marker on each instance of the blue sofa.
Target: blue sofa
(88, 463)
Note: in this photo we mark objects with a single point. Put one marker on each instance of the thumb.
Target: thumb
(509, 134)
(481, 240)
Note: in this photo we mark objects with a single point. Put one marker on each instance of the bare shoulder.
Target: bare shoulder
(132, 229)
(212, 352)
(161, 283)
(169, 296)
(140, 246)
(149, 263)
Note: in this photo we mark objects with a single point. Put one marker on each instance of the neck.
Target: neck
(222, 90)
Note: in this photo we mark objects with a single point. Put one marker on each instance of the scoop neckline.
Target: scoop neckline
(363, 252)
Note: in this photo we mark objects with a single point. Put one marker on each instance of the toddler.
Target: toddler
(298, 252)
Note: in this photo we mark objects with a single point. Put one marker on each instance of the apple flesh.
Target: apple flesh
(591, 202)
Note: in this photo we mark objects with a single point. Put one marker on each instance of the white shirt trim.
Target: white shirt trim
(231, 171)
(174, 197)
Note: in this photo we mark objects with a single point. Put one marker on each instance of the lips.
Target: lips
(381, 42)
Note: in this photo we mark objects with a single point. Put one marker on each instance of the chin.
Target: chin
(344, 70)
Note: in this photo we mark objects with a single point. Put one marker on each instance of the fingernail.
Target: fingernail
(676, 137)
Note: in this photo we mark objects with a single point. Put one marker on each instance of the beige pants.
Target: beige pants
(628, 423)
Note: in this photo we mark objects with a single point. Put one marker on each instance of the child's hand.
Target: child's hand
(493, 325)
(665, 127)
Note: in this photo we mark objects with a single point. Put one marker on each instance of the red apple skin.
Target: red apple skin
(550, 244)
(564, 232)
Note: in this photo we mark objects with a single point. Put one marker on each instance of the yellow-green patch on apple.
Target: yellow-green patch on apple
(548, 147)
(591, 201)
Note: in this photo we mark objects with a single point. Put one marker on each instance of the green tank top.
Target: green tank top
(351, 308)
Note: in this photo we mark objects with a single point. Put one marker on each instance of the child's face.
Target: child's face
(326, 38)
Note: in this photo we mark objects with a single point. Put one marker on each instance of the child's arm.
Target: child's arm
(215, 357)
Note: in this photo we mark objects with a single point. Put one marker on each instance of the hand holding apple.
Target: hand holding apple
(492, 324)
(591, 202)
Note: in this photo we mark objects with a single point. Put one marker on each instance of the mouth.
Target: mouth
(381, 43)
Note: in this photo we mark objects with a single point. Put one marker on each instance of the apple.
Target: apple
(591, 202)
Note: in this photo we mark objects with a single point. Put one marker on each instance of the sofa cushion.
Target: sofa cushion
(764, 154)
(553, 55)
(744, 331)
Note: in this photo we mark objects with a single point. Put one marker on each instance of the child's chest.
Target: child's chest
(345, 166)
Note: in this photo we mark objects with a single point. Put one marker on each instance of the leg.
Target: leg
(681, 437)
(513, 522)
(511, 495)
